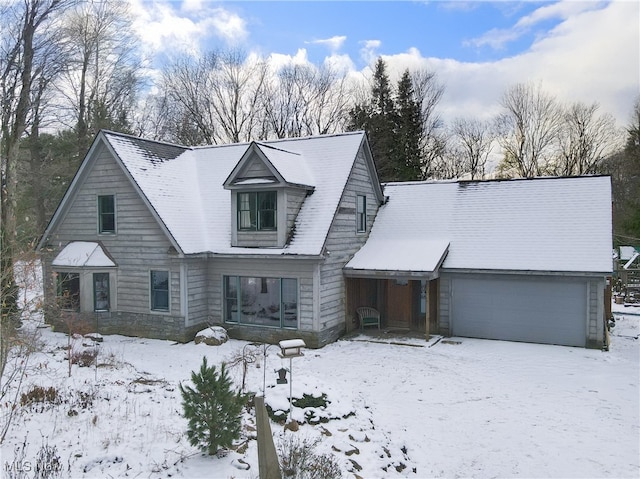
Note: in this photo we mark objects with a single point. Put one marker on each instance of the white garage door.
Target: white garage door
(520, 309)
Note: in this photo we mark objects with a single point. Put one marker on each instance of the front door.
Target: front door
(399, 303)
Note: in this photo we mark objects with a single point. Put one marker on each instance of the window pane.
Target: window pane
(231, 299)
(69, 291)
(160, 290)
(267, 210)
(101, 291)
(361, 213)
(106, 214)
(247, 211)
(290, 302)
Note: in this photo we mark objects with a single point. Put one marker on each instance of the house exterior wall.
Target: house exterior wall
(302, 270)
(197, 274)
(593, 295)
(342, 243)
(138, 246)
(596, 314)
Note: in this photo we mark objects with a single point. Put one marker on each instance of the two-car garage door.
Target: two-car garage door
(518, 308)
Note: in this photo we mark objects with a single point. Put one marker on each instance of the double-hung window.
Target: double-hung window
(160, 290)
(106, 214)
(257, 211)
(361, 213)
(101, 292)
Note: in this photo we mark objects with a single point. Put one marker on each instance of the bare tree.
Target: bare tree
(428, 93)
(305, 100)
(102, 78)
(23, 23)
(216, 99)
(449, 163)
(584, 140)
(528, 129)
(473, 144)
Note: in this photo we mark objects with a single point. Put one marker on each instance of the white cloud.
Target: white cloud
(592, 56)
(368, 51)
(497, 38)
(334, 43)
(279, 60)
(163, 29)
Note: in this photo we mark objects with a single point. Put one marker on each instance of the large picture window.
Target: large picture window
(106, 214)
(261, 301)
(160, 290)
(101, 292)
(257, 211)
(69, 291)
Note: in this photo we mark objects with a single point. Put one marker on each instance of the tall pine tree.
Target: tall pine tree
(378, 119)
(212, 409)
(394, 126)
(409, 132)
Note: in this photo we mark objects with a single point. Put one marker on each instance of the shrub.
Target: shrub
(38, 394)
(212, 408)
(298, 460)
(84, 357)
(48, 465)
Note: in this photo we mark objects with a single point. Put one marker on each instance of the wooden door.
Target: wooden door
(399, 304)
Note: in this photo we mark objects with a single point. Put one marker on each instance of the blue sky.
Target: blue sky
(577, 50)
(438, 29)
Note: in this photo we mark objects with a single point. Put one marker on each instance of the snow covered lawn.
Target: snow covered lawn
(454, 408)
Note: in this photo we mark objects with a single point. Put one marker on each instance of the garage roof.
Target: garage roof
(542, 224)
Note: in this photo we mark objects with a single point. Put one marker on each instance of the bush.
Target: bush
(212, 408)
(38, 394)
(298, 460)
(84, 358)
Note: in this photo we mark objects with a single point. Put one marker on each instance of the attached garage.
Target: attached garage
(518, 260)
(519, 308)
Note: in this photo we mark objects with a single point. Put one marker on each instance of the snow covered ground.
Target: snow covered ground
(397, 408)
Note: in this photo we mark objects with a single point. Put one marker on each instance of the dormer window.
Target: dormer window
(257, 211)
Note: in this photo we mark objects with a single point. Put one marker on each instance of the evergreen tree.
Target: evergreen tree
(212, 409)
(394, 126)
(378, 119)
(410, 132)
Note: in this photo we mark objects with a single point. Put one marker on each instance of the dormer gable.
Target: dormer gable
(265, 165)
(268, 187)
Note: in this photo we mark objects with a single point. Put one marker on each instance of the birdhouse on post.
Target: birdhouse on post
(291, 348)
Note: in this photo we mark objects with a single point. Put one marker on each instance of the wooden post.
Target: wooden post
(268, 465)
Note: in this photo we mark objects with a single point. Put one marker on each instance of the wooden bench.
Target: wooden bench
(368, 317)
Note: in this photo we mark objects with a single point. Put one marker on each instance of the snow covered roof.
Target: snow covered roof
(292, 166)
(545, 224)
(627, 252)
(186, 188)
(404, 256)
(83, 254)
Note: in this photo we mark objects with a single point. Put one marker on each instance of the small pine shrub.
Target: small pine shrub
(212, 409)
